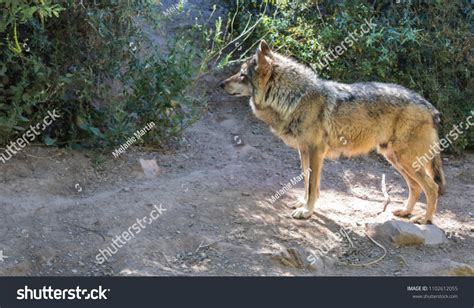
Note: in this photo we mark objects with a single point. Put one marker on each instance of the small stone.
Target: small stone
(150, 167)
(111, 260)
(292, 257)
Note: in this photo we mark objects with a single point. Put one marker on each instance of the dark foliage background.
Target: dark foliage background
(92, 61)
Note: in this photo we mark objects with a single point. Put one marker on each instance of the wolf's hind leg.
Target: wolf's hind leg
(413, 187)
(430, 188)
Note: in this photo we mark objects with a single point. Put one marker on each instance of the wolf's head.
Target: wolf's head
(253, 74)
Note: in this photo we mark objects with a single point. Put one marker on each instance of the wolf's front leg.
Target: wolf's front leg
(316, 158)
(304, 159)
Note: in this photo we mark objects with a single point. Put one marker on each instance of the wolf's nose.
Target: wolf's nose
(221, 85)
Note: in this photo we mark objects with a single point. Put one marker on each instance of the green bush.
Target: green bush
(92, 61)
(423, 45)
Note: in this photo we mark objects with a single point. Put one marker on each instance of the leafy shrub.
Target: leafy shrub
(423, 45)
(92, 61)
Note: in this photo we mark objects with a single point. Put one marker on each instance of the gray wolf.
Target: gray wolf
(326, 119)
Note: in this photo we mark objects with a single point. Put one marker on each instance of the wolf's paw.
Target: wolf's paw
(296, 204)
(401, 213)
(301, 213)
(420, 219)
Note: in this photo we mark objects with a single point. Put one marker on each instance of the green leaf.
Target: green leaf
(48, 140)
(96, 132)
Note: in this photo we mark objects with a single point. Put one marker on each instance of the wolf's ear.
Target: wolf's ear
(263, 53)
(263, 48)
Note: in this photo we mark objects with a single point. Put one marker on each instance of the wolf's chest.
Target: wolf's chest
(268, 115)
(263, 114)
(277, 126)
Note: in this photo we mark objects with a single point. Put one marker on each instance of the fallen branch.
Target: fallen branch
(347, 237)
(90, 230)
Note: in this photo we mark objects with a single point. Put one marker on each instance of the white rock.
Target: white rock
(406, 233)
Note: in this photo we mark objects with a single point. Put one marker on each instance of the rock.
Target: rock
(403, 233)
(294, 257)
(454, 268)
(150, 168)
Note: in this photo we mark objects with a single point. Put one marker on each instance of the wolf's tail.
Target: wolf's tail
(437, 162)
(438, 173)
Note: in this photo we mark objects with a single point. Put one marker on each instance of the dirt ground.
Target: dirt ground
(59, 208)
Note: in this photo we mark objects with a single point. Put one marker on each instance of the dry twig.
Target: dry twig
(205, 246)
(371, 262)
(385, 193)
